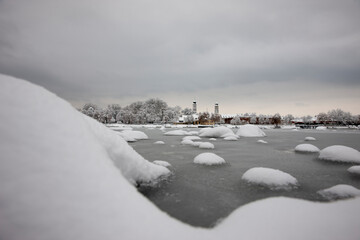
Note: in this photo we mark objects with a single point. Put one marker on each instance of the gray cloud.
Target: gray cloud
(96, 50)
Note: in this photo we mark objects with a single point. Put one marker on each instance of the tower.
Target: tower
(216, 109)
(194, 107)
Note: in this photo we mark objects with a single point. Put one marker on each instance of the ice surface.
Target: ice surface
(339, 192)
(310, 139)
(162, 163)
(159, 142)
(66, 176)
(340, 153)
(354, 170)
(250, 130)
(216, 132)
(206, 145)
(272, 178)
(307, 148)
(262, 141)
(208, 159)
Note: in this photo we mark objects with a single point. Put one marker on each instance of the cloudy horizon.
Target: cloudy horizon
(298, 57)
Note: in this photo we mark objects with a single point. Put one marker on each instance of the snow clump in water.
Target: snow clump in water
(262, 141)
(177, 133)
(271, 178)
(206, 145)
(310, 139)
(307, 148)
(208, 159)
(216, 132)
(231, 138)
(187, 142)
(339, 153)
(321, 128)
(191, 138)
(159, 142)
(340, 191)
(162, 163)
(250, 130)
(354, 170)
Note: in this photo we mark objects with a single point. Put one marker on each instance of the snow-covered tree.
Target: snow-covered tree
(236, 120)
(288, 118)
(276, 119)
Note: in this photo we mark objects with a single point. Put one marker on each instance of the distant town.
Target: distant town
(157, 111)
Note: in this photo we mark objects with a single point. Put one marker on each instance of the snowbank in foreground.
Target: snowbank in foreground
(306, 148)
(250, 130)
(339, 153)
(70, 184)
(339, 192)
(272, 178)
(208, 159)
(216, 132)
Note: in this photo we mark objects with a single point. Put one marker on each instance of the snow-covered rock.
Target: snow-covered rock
(339, 153)
(67, 177)
(196, 144)
(162, 163)
(354, 170)
(212, 139)
(231, 138)
(159, 142)
(206, 145)
(250, 130)
(321, 128)
(339, 192)
(130, 134)
(262, 141)
(310, 139)
(216, 132)
(272, 178)
(208, 159)
(307, 148)
(191, 138)
(187, 142)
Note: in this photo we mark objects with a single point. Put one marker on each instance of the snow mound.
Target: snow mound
(310, 139)
(216, 132)
(192, 133)
(130, 134)
(307, 148)
(340, 191)
(339, 153)
(206, 145)
(162, 163)
(321, 128)
(159, 142)
(262, 141)
(289, 127)
(176, 133)
(208, 159)
(187, 142)
(272, 178)
(250, 130)
(196, 144)
(231, 138)
(191, 138)
(212, 139)
(354, 170)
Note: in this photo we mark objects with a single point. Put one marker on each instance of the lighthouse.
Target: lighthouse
(194, 110)
(216, 109)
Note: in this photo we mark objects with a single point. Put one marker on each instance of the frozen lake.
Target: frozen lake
(202, 195)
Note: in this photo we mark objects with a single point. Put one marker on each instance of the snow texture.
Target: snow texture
(310, 139)
(340, 191)
(162, 163)
(67, 177)
(208, 159)
(206, 145)
(339, 153)
(272, 178)
(250, 130)
(354, 170)
(159, 142)
(307, 148)
(262, 141)
(216, 132)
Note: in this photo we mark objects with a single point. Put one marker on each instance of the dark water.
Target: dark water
(202, 195)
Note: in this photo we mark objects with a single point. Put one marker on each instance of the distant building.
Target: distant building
(194, 107)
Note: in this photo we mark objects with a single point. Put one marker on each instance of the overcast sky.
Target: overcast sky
(299, 57)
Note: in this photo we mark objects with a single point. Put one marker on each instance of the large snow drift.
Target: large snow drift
(339, 153)
(250, 130)
(216, 132)
(272, 178)
(62, 176)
